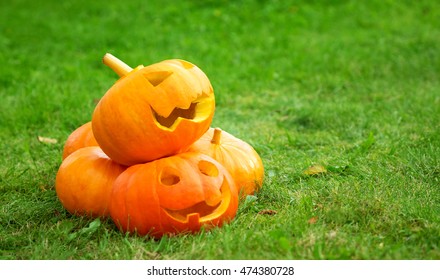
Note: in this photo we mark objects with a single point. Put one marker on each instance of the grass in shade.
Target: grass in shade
(350, 87)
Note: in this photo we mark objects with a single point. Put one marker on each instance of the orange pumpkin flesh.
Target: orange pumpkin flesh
(153, 112)
(84, 181)
(79, 138)
(238, 157)
(171, 195)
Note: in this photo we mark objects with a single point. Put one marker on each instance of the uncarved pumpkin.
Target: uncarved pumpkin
(237, 156)
(153, 111)
(84, 181)
(79, 138)
(176, 194)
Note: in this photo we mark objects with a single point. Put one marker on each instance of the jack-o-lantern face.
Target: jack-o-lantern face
(153, 112)
(185, 89)
(172, 195)
(238, 157)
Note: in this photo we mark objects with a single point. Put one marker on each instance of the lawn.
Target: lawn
(350, 87)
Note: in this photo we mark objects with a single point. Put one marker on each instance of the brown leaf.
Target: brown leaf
(312, 220)
(318, 206)
(267, 212)
(47, 140)
(315, 170)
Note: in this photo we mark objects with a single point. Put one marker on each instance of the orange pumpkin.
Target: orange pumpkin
(79, 138)
(176, 194)
(84, 181)
(153, 111)
(237, 156)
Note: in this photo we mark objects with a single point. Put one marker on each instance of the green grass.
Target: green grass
(350, 85)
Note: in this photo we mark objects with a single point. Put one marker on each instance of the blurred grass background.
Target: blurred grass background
(349, 85)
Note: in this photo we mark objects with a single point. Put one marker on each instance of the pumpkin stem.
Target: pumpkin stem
(116, 65)
(217, 136)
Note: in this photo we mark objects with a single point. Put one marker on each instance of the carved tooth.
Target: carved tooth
(193, 220)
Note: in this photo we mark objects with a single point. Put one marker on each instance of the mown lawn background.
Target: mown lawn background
(352, 86)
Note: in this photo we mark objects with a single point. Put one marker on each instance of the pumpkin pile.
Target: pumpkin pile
(150, 161)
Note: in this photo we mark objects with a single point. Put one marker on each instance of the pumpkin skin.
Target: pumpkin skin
(84, 182)
(238, 157)
(79, 138)
(153, 112)
(176, 194)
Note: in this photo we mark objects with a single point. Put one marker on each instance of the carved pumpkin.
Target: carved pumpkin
(171, 195)
(153, 111)
(238, 157)
(79, 138)
(84, 181)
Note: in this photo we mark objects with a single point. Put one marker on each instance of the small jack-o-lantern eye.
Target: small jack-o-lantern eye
(186, 64)
(168, 177)
(208, 168)
(156, 78)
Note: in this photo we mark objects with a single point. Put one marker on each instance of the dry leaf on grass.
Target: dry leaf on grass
(315, 170)
(47, 140)
(312, 220)
(267, 212)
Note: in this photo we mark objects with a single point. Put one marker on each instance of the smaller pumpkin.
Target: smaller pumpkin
(154, 111)
(79, 138)
(84, 181)
(237, 156)
(176, 194)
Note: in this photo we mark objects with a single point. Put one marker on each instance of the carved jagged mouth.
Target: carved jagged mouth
(176, 113)
(201, 208)
(198, 111)
(201, 212)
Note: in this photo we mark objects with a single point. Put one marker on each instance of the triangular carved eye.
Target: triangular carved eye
(186, 64)
(156, 78)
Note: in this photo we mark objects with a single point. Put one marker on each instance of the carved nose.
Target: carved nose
(212, 182)
(213, 196)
